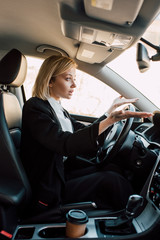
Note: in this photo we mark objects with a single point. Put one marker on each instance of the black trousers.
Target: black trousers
(106, 186)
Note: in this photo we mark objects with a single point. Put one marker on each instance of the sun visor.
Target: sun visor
(92, 54)
(120, 12)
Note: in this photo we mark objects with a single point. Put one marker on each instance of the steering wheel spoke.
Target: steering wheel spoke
(116, 138)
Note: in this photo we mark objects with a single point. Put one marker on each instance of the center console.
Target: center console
(129, 223)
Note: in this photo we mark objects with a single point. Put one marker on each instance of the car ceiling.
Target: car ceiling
(44, 27)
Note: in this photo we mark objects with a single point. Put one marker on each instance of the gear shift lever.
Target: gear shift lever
(133, 204)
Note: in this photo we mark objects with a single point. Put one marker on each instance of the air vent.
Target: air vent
(141, 128)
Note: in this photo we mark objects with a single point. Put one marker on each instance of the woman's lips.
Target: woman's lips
(71, 92)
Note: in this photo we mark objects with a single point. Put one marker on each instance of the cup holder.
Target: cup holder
(52, 232)
(25, 233)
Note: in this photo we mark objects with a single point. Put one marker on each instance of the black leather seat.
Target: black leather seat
(15, 190)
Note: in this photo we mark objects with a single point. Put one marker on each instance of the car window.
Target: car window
(33, 65)
(91, 96)
(125, 65)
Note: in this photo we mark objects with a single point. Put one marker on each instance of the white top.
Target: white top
(64, 120)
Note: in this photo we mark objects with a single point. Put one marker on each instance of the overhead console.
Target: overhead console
(102, 27)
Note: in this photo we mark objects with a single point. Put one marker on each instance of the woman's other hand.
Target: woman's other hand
(119, 101)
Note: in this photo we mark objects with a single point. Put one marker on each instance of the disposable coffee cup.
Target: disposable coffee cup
(76, 223)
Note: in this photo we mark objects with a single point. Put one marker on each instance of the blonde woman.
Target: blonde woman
(52, 140)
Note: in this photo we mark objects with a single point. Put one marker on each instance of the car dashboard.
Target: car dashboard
(149, 134)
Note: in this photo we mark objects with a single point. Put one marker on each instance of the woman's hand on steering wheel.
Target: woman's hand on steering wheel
(123, 114)
(115, 116)
(117, 135)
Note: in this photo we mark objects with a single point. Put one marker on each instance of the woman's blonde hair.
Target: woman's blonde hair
(51, 67)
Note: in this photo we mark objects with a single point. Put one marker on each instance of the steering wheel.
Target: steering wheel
(115, 139)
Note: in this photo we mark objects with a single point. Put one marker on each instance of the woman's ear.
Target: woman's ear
(51, 83)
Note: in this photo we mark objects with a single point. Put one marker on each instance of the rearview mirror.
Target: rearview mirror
(143, 59)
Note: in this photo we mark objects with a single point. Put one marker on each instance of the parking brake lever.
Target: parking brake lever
(80, 205)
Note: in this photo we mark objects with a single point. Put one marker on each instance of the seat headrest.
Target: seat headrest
(13, 68)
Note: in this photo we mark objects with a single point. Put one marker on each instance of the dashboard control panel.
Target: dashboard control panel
(154, 190)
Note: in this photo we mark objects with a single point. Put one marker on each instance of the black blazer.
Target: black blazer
(43, 145)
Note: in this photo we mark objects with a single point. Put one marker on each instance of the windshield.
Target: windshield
(125, 65)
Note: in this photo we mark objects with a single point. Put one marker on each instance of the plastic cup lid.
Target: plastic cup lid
(77, 216)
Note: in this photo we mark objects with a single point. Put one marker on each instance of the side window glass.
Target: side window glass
(91, 96)
(33, 66)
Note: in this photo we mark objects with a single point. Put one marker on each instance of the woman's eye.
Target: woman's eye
(68, 79)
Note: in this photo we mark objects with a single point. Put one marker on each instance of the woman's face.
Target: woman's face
(63, 85)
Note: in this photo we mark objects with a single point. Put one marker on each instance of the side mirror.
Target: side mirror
(143, 59)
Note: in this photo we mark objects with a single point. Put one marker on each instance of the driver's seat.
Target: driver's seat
(15, 190)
